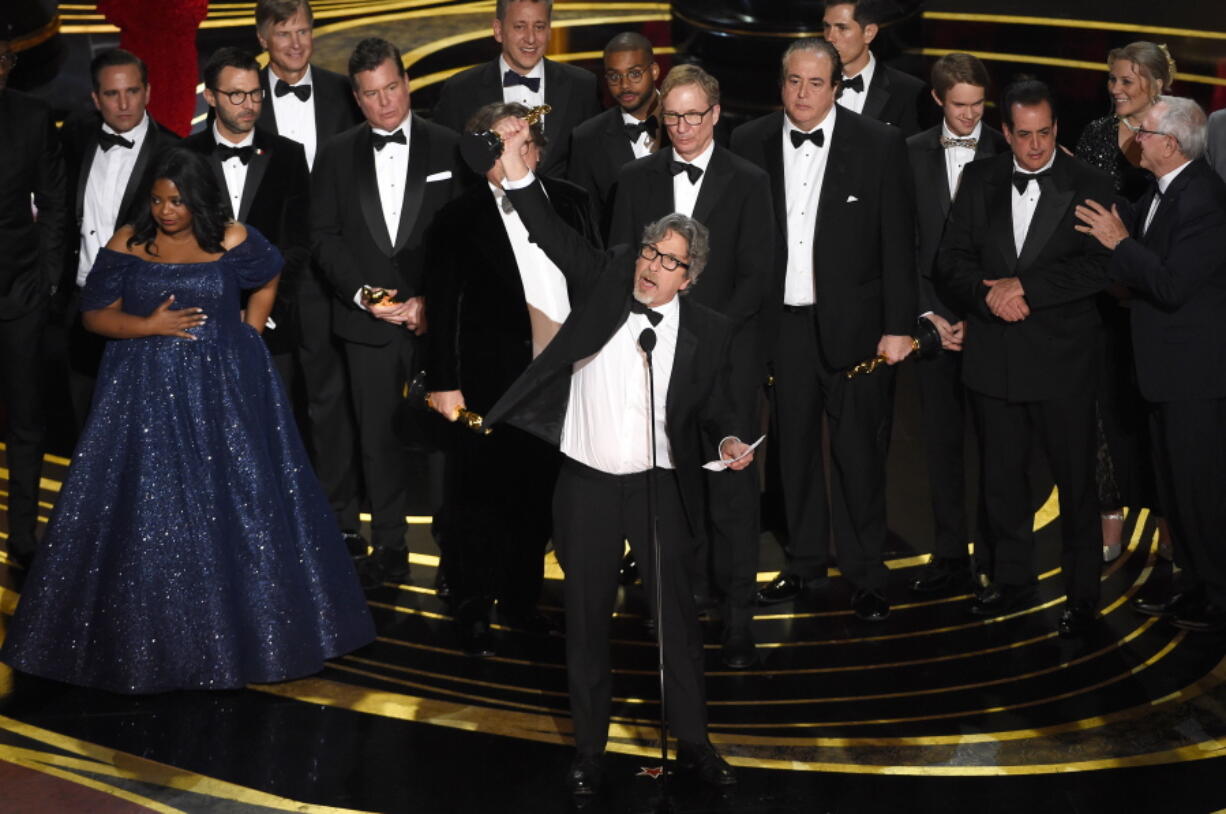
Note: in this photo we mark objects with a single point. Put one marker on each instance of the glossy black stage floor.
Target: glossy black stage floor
(928, 711)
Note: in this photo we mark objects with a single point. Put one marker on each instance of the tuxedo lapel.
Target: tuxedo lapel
(255, 175)
(368, 190)
(660, 191)
(87, 163)
(772, 155)
(1056, 197)
(1156, 235)
(999, 195)
(268, 113)
(617, 144)
(938, 176)
(878, 93)
(488, 221)
(147, 150)
(842, 156)
(415, 183)
(714, 185)
(683, 363)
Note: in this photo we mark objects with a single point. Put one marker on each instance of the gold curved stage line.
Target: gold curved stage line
(1060, 22)
(87, 758)
(1059, 62)
(95, 23)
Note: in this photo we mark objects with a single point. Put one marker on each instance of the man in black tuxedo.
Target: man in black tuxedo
(844, 291)
(938, 156)
(1012, 260)
(374, 194)
(29, 269)
(587, 392)
(1170, 249)
(266, 181)
(107, 153)
(732, 199)
(870, 88)
(310, 105)
(631, 129)
(521, 27)
(494, 300)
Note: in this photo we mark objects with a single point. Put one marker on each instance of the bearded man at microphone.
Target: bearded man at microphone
(588, 392)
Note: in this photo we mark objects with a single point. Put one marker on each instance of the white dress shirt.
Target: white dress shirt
(109, 174)
(391, 176)
(1163, 183)
(643, 147)
(804, 169)
(520, 93)
(295, 118)
(854, 100)
(685, 194)
(1025, 202)
(956, 158)
(606, 414)
(544, 284)
(234, 169)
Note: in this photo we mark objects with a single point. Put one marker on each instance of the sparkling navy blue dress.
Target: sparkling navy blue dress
(191, 546)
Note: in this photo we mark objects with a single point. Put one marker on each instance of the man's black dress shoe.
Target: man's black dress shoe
(870, 606)
(1200, 617)
(442, 589)
(739, 651)
(370, 574)
(475, 638)
(1165, 605)
(355, 543)
(1076, 621)
(530, 621)
(702, 759)
(786, 587)
(942, 574)
(585, 775)
(394, 562)
(998, 600)
(629, 573)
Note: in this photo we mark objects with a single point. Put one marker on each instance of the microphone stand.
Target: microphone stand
(647, 341)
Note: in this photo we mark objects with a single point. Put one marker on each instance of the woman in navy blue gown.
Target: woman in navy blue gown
(191, 546)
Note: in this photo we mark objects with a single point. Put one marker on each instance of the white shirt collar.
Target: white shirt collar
(137, 133)
(225, 142)
(1165, 181)
(947, 133)
(537, 72)
(403, 126)
(867, 71)
(701, 160)
(273, 79)
(669, 309)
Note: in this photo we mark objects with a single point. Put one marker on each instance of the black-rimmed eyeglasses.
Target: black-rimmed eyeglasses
(667, 262)
(693, 118)
(237, 97)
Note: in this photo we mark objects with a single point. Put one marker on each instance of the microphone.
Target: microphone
(647, 341)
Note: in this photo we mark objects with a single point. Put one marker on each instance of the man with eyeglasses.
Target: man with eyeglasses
(588, 393)
(107, 152)
(522, 74)
(1169, 248)
(844, 290)
(32, 237)
(732, 199)
(267, 184)
(1012, 260)
(631, 129)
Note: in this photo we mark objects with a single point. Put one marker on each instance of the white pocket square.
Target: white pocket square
(852, 199)
(439, 176)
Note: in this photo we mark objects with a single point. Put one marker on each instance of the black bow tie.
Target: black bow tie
(382, 141)
(968, 143)
(652, 315)
(648, 126)
(303, 92)
(532, 83)
(1021, 179)
(243, 154)
(108, 140)
(856, 83)
(678, 167)
(818, 137)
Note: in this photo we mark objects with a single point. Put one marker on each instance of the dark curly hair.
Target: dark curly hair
(200, 193)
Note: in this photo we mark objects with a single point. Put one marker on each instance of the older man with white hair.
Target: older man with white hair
(1170, 249)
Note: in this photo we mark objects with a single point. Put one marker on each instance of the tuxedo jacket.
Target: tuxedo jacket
(599, 148)
(932, 204)
(894, 98)
(698, 410)
(864, 240)
(1053, 352)
(1177, 270)
(480, 337)
(277, 201)
(570, 91)
(80, 137)
(32, 250)
(349, 239)
(1215, 148)
(335, 108)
